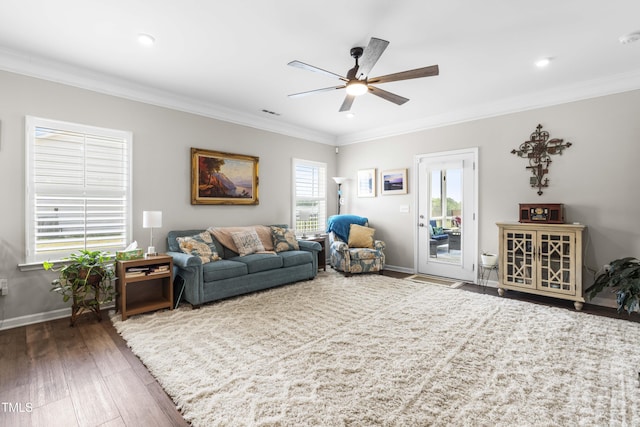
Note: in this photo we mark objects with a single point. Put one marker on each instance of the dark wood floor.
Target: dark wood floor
(55, 375)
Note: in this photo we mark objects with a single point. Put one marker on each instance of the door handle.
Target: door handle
(421, 224)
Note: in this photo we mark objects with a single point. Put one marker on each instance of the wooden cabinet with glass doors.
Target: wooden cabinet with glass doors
(542, 259)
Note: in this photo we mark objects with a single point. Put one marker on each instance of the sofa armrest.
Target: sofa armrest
(180, 259)
(338, 246)
(189, 267)
(309, 246)
(379, 245)
(314, 248)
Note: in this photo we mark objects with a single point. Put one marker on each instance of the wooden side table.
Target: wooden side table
(144, 285)
(322, 255)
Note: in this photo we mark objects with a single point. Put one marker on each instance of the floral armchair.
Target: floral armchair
(352, 247)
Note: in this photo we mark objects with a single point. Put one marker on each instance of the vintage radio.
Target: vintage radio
(549, 213)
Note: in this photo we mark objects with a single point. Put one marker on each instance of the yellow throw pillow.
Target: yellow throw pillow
(361, 237)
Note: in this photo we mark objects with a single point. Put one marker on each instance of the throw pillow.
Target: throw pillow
(247, 242)
(200, 245)
(361, 237)
(437, 231)
(284, 239)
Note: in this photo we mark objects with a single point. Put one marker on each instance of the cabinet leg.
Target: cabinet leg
(578, 305)
(501, 292)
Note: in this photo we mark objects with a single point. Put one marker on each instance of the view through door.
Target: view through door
(447, 230)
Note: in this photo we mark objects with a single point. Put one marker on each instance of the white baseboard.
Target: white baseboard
(30, 319)
(16, 322)
(399, 269)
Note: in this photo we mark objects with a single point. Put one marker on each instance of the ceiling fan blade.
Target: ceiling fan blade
(432, 70)
(371, 55)
(346, 104)
(308, 67)
(310, 92)
(396, 99)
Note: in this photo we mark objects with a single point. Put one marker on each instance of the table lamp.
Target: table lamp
(305, 215)
(151, 219)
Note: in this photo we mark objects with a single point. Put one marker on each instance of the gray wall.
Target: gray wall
(161, 172)
(595, 178)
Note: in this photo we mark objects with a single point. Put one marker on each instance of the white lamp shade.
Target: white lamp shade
(151, 219)
(339, 179)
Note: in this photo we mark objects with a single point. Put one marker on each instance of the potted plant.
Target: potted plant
(86, 278)
(488, 259)
(623, 276)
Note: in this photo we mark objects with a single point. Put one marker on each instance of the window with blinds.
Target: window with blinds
(78, 189)
(310, 196)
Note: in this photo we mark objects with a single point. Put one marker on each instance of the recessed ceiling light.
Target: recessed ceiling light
(629, 38)
(146, 39)
(350, 115)
(543, 62)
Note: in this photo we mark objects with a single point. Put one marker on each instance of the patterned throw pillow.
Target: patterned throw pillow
(247, 242)
(284, 239)
(200, 245)
(361, 237)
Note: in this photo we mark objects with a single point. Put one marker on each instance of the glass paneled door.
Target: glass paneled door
(447, 229)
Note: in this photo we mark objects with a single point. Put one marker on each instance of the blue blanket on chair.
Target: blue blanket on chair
(340, 224)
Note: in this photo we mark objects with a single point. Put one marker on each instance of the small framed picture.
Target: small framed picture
(394, 182)
(367, 183)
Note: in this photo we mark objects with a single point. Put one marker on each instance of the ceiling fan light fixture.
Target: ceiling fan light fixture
(357, 87)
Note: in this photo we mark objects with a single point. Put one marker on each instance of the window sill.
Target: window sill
(33, 266)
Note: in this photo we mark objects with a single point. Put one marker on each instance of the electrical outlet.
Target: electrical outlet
(4, 287)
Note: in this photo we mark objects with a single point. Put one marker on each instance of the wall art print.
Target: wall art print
(219, 178)
(394, 182)
(367, 183)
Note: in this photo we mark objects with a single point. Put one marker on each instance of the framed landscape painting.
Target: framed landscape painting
(367, 183)
(219, 178)
(394, 181)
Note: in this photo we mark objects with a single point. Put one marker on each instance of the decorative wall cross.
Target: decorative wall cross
(538, 150)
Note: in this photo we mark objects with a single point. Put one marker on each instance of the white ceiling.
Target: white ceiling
(229, 59)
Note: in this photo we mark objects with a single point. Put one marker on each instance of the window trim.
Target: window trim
(32, 261)
(310, 163)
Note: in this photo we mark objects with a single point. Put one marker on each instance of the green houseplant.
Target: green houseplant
(86, 278)
(623, 276)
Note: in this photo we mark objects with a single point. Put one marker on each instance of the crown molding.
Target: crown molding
(559, 95)
(83, 78)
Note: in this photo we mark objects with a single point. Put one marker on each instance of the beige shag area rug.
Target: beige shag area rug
(372, 350)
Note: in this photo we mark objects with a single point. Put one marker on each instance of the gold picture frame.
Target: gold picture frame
(219, 178)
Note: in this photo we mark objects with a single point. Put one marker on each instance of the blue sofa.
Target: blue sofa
(234, 275)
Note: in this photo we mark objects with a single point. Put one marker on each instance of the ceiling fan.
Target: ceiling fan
(357, 81)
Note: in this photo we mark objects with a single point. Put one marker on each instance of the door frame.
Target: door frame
(474, 226)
